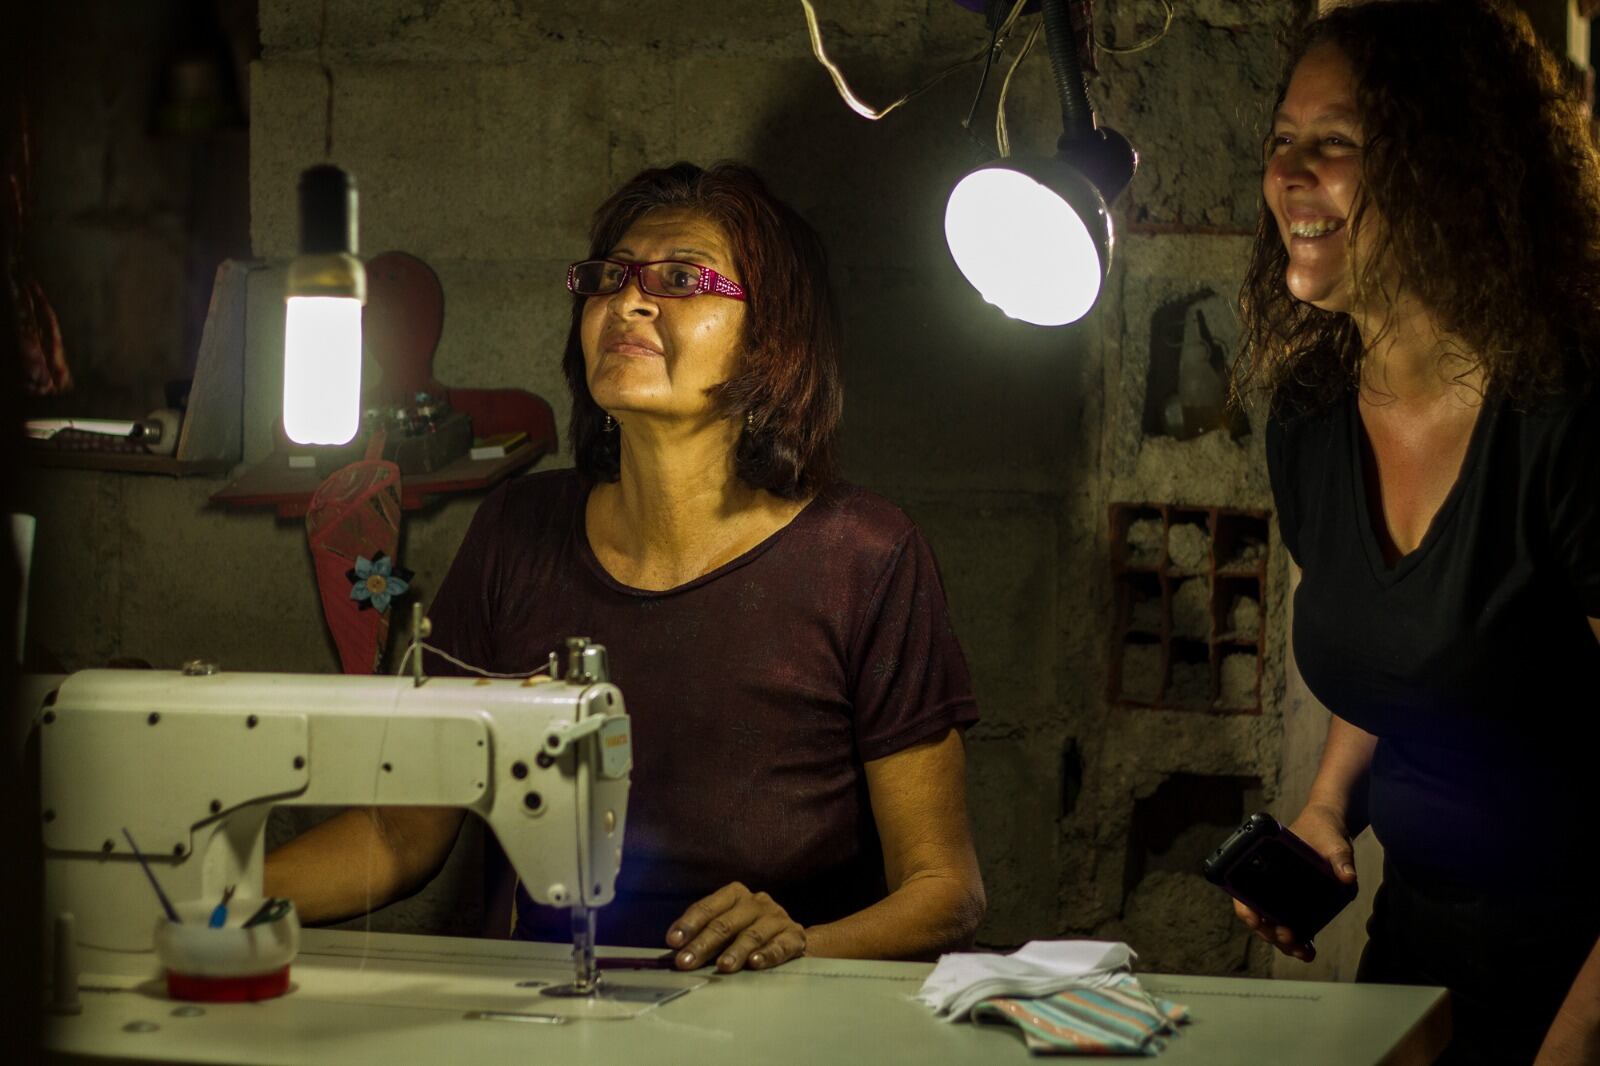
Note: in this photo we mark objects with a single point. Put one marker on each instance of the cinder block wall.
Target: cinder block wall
(483, 132)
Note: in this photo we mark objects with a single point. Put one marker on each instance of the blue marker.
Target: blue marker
(219, 913)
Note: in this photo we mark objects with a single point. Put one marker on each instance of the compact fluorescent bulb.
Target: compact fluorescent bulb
(327, 286)
(322, 369)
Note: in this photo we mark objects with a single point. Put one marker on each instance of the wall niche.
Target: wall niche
(1185, 924)
(1192, 341)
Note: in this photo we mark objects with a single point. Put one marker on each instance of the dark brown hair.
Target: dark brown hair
(787, 380)
(1480, 167)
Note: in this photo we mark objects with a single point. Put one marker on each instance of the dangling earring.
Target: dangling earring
(750, 420)
(609, 425)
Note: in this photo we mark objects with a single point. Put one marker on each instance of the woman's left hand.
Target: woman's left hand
(736, 928)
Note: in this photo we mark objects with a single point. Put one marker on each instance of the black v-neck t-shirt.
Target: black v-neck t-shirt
(757, 691)
(1471, 658)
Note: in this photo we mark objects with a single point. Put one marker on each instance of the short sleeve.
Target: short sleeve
(1573, 494)
(1282, 493)
(909, 678)
(462, 609)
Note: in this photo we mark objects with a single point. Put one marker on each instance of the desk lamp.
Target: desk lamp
(1033, 236)
(322, 332)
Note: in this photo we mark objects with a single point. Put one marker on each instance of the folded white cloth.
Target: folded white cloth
(962, 980)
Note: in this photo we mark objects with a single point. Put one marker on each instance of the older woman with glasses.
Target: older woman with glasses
(797, 693)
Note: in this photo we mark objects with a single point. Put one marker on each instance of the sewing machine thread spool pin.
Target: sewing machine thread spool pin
(420, 630)
(64, 987)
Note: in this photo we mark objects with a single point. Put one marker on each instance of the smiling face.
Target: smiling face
(1313, 177)
(654, 356)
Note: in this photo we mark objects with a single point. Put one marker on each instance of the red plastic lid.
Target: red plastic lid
(228, 989)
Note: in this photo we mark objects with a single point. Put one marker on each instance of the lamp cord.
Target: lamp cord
(327, 77)
(1077, 118)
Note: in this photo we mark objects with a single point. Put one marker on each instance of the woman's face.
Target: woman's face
(1313, 177)
(656, 356)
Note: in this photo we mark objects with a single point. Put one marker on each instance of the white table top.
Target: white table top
(387, 1000)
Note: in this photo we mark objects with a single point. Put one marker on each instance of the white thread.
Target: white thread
(421, 645)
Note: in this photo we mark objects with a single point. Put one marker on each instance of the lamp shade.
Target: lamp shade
(1033, 236)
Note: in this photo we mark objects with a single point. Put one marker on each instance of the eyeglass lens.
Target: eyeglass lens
(599, 276)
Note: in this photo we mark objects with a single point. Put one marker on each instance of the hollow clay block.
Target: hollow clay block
(1188, 547)
(1244, 617)
(1145, 616)
(1239, 680)
(1144, 542)
(1141, 671)
(1191, 610)
(1191, 684)
(1248, 553)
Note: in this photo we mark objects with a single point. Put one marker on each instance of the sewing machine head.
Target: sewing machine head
(190, 762)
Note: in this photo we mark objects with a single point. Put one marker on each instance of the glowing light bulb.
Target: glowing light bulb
(322, 369)
(1024, 246)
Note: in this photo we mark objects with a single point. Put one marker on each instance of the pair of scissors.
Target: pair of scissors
(272, 908)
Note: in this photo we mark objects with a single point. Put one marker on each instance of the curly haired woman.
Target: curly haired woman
(1423, 308)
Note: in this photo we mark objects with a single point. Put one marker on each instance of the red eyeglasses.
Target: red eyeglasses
(664, 277)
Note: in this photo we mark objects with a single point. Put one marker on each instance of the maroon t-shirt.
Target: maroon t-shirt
(757, 691)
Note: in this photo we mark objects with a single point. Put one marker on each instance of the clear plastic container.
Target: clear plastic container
(231, 964)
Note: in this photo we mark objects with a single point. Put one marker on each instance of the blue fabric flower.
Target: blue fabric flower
(376, 581)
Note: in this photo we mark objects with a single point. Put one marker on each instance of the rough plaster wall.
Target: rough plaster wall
(483, 133)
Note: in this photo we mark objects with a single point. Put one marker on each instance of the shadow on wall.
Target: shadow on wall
(931, 370)
(1173, 830)
(972, 422)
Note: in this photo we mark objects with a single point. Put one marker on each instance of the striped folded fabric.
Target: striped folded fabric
(1122, 1019)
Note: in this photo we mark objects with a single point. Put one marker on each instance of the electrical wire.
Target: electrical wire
(327, 76)
(1002, 133)
(854, 102)
(997, 42)
(998, 38)
(1148, 42)
(983, 79)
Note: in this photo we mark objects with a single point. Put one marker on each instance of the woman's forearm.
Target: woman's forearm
(360, 860)
(1574, 1036)
(922, 919)
(1341, 776)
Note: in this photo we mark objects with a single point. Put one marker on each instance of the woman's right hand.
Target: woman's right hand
(1322, 827)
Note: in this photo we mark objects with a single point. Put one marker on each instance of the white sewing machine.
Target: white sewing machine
(190, 763)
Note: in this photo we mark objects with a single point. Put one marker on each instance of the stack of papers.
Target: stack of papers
(1039, 968)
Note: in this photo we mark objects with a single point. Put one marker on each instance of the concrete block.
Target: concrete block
(75, 589)
(287, 121)
(457, 161)
(1200, 151)
(944, 392)
(505, 326)
(248, 597)
(489, 28)
(1014, 811)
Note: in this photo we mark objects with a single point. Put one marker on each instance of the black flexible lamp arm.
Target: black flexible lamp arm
(1077, 117)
